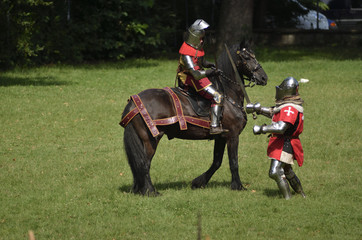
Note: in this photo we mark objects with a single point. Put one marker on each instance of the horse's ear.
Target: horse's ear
(246, 43)
(242, 43)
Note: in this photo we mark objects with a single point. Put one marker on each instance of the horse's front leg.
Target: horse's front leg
(203, 179)
(233, 144)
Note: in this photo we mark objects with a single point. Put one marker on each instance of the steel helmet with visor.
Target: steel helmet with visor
(289, 87)
(196, 33)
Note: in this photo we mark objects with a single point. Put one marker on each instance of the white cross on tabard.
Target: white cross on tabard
(289, 111)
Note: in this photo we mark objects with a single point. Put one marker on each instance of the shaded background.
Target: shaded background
(69, 31)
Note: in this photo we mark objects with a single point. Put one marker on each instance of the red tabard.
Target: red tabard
(195, 54)
(287, 114)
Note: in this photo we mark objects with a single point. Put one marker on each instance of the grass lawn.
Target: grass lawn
(64, 173)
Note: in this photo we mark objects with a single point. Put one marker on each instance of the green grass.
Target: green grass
(64, 174)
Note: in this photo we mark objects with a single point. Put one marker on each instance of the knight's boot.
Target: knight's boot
(296, 185)
(215, 126)
(284, 188)
(276, 172)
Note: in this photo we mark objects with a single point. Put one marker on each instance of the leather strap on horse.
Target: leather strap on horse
(178, 107)
(166, 121)
(129, 117)
(151, 124)
(146, 117)
(192, 120)
(198, 122)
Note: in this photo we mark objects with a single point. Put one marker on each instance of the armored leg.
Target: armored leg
(215, 126)
(216, 110)
(276, 172)
(294, 180)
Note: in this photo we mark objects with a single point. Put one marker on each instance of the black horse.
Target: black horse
(153, 113)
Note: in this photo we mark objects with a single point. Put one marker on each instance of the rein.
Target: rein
(242, 63)
(233, 103)
(225, 95)
(244, 55)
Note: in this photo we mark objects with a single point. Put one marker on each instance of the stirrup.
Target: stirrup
(218, 130)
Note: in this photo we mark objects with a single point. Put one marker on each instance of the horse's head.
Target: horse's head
(250, 67)
(246, 64)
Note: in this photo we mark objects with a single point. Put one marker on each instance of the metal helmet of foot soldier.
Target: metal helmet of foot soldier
(289, 87)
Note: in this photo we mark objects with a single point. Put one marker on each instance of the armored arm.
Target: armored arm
(256, 107)
(207, 64)
(190, 66)
(197, 74)
(276, 127)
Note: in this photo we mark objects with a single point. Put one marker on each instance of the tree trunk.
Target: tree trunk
(260, 11)
(235, 23)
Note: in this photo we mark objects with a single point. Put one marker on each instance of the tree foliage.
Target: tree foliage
(53, 31)
(39, 31)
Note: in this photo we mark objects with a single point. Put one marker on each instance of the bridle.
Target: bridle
(242, 62)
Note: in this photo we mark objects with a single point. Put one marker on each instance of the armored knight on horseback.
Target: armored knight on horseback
(284, 143)
(191, 73)
(154, 113)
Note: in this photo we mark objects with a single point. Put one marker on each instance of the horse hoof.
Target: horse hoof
(198, 182)
(238, 187)
(148, 193)
(193, 187)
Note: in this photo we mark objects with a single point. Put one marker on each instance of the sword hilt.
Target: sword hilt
(254, 116)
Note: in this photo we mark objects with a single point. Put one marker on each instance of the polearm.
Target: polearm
(238, 78)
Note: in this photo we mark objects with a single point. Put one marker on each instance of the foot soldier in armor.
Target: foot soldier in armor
(284, 143)
(191, 73)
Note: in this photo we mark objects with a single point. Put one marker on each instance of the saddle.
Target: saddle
(180, 117)
(199, 104)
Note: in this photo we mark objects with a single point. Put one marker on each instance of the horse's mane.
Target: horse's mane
(223, 61)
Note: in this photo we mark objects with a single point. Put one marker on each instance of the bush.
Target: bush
(41, 32)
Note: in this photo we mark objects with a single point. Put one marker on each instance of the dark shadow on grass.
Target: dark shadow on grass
(275, 193)
(160, 186)
(172, 185)
(30, 81)
(125, 189)
(180, 185)
(272, 192)
(223, 184)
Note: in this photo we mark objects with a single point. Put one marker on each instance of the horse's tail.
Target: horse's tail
(137, 157)
(139, 149)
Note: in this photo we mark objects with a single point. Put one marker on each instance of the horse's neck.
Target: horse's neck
(234, 93)
(232, 90)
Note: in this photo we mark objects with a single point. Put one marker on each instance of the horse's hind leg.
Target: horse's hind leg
(140, 148)
(203, 179)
